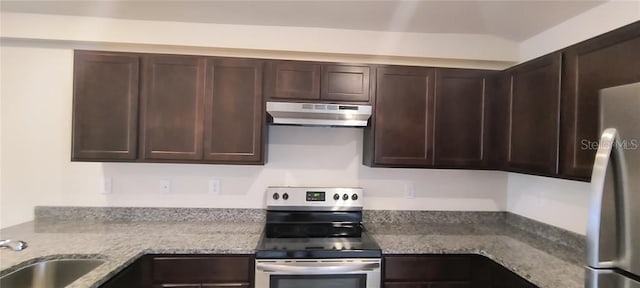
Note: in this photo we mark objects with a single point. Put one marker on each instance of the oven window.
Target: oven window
(319, 281)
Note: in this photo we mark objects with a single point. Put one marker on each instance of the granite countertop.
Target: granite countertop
(122, 240)
(120, 244)
(542, 262)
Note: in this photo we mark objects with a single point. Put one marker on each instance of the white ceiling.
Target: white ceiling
(514, 20)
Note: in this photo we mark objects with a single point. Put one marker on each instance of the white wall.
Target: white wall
(36, 170)
(591, 23)
(559, 202)
(455, 50)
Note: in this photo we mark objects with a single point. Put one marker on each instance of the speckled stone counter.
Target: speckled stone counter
(546, 263)
(548, 257)
(119, 244)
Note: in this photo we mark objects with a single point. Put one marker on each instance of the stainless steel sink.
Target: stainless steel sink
(49, 273)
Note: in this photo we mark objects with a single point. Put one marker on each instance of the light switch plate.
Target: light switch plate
(409, 190)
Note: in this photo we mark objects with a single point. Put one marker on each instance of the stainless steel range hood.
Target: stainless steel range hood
(319, 114)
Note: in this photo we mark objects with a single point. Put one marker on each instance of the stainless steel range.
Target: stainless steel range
(314, 238)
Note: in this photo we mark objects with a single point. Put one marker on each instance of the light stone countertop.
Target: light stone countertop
(545, 263)
(122, 243)
(540, 261)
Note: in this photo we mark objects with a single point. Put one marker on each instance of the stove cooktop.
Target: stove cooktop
(318, 247)
(315, 222)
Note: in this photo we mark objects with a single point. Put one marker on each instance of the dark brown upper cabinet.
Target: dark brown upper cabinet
(402, 125)
(234, 114)
(105, 106)
(609, 60)
(534, 114)
(315, 81)
(497, 120)
(292, 80)
(348, 83)
(172, 107)
(459, 121)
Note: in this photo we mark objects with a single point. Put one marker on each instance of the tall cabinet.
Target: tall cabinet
(609, 60)
(534, 116)
(105, 106)
(172, 107)
(459, 120)
(401, 133)
(233, 114)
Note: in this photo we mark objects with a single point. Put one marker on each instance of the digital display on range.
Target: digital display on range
(315, 196)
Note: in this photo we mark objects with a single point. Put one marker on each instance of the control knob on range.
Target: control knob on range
(354, 197)
(336, 196)
(285, 196)
(345, 197)
(276, 196)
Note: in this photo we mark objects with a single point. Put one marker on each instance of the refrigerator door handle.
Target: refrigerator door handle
(608, 278)
(609, 153)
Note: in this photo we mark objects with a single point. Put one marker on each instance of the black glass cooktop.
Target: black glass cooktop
(318, 247)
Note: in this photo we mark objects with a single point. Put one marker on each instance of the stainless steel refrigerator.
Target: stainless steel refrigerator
(613, 233)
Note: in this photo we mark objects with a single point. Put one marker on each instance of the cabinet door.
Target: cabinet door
(197, 269)
(406, 285)
(348, 83)
(177, 285)
(427, 285)
(610, 60)
(105, 106)
(503, 278)
(403, 120)
(427, 268)
(233, 111)
(134, 275)
(459, 118)
(290, 80)
(172, 107)
(497, 120)
(534, 116)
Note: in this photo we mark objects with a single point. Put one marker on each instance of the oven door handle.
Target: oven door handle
(320, 269)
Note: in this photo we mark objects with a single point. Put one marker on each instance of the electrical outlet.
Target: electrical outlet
(105, 185)
(165, 186)
(214, 186)
(409, 190)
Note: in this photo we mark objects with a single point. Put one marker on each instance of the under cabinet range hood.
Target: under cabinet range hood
(319, 114)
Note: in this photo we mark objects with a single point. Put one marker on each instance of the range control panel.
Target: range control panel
(314, 198)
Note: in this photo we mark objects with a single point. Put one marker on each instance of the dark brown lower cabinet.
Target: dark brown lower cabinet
(448, 271)
(137, 274)
(155, 271)
(427, 285)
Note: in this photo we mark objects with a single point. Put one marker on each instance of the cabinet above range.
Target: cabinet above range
(298, 81)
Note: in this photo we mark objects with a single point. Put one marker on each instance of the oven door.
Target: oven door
(318, 273)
